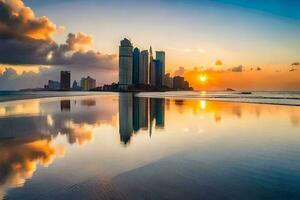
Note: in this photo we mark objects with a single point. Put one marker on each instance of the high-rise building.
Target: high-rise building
(152, 73)
(65, 80)
(88, 83)
(144, 68)
(136, 66)
(158, 73)
(152, 78)
(161, 56)
(125, 64)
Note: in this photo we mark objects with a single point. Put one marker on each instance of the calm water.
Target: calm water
(126, 147)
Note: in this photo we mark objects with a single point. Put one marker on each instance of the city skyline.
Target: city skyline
(229, 44)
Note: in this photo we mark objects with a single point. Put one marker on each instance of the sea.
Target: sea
(132, 146)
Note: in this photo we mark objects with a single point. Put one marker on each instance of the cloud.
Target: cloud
(218, 62)
(258, 69)
(237, 69)
(295, 64)
(26, 39)
(17, 20)
(79, 41)
(179, 72)
(292, 70)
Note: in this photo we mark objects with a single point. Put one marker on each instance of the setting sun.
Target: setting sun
(203, 78)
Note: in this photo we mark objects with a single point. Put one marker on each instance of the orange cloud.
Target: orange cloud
(218, 62)
(20, 20)
(79, 41)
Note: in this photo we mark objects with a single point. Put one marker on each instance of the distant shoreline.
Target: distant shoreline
(271, 98)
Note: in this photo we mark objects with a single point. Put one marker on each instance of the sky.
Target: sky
(223, 40)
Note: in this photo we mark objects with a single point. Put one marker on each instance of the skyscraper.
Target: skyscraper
(125, 64)
(65, 80)
(161, 56)
(158, 73)
(152, 72)
(136, 66)
(144, 67)
(152, 78)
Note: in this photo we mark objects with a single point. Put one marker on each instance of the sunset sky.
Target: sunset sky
(239, 44)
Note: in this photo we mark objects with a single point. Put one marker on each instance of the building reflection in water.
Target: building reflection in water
(88, 102)
(125, 116)
(134, 115)
(65, 105)
(140, 114)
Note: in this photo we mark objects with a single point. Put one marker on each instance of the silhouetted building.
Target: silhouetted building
(112, 87)
(161, 56)
(125, 64)
(144, 67)
(125, 116)
(88, 83)
(186, 85)
(136, 66)
(178, 83)
(52, 85)
(75, 86)
(65, 80)
(168, 81)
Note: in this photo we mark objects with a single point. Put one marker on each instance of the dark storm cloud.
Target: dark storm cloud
(295, 64)
(25, 51)
(26, 39)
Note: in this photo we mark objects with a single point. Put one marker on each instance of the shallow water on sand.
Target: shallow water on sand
(125, 147)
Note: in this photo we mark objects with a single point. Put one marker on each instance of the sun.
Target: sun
(203, 78)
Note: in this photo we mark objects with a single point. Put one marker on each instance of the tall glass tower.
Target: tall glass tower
(144, 68)
(161, 56)
(136, 66)
(125, 64)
